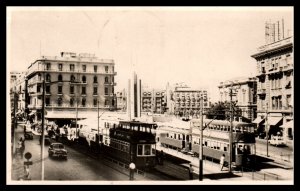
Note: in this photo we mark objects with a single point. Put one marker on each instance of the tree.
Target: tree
(221, 111)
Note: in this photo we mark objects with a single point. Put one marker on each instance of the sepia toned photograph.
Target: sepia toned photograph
(150, 95)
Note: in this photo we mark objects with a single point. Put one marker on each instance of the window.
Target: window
(60, 67)
(84, 68)
(83, 102)
(60, 78)
(72, 67)
(83, 79)
(95, 102)
(47, 101)
(59, 90)
(106, 69)
(48, 89)
(71, 101)
(83, 90)
(48, 78)
(147, 149)
(48, 66)
(71, 89)
(288, 100)
(140, 150)
(72, 78)
(59, 101)
(95, 68)
(106, 103)
(38, 88)
(95, 92)
(106, 79)
(95, 79)
(105, 91)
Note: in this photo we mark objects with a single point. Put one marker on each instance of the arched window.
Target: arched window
(71, 101)
(48, 78)
(60, 78)
(83, 79)
(83, 102)
(106, 79)
(72, 78)
(95, 79)
(59, 101)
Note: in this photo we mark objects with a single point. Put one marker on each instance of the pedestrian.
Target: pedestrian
(222, 160)
(191, 171)
(21, 146)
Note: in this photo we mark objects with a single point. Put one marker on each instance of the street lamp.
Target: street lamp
(267, 130)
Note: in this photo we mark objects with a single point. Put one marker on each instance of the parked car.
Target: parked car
(277, 141)
(58, 150)
(47, 140)
(28, 134)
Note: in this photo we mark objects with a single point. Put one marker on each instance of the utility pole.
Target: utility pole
(43, 134)
(267, 130)
(98, 120)
(230, 130)
(201, 142)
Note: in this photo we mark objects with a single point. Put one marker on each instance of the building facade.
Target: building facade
(187, 101)
(121, 100)
(154, 101)
(244, 94)
(275, 74)
(82, 82)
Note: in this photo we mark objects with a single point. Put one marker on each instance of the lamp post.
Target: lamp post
(230, 131)
(201, 142)
(43, 121)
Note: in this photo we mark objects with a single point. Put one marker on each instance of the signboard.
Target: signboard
(28, 155)
(27, 162)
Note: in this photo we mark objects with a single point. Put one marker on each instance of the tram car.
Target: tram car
(215, 140)
(132, 141)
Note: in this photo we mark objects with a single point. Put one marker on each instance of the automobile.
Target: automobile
(277, 141)
(58, 150)
(28, 134)
(47, 140)
(262, 135)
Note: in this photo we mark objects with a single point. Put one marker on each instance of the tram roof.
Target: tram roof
(223, 122)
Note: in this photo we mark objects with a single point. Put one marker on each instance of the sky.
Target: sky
(201, 46)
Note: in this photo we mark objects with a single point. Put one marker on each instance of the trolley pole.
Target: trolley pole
(267, 130)
(201, 142)
(230, 131)
(43, 134)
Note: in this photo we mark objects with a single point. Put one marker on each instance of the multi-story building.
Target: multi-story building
(82, 82)
(18, 87)
(187, 101)
(154, 100)
(121, 100)
(243, 92)
(275, 68)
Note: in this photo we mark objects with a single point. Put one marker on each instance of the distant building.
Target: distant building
(244, 93)
(154, 101)
(275, 74)
(17, 85)
(187, 101)
(71, 82)
(121, 100)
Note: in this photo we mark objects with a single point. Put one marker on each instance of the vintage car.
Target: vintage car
(277, 141)
(47, 140)
(58, 150)
(28, 134)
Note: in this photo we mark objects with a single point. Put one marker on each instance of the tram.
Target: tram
(215, 140)
(132, 141)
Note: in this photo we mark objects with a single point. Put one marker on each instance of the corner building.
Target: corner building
(71, 82)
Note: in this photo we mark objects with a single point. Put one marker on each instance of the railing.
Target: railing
(69, 71)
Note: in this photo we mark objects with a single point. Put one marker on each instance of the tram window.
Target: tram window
(140, 150)
(205, 143)
(218, 146)
(135, 128)
(153, 149)
(183, 137)
(225, 148)
(167, 134)
(175, 136)
(147, 149)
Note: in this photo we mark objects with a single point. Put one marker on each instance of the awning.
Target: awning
(32, 113)
(289, 124)
(63, 115)
(258, 120)
(273, 120)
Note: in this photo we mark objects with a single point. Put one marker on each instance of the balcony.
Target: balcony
(261, 91)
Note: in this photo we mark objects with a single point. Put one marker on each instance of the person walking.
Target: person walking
(222, 160)
(191, 171)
